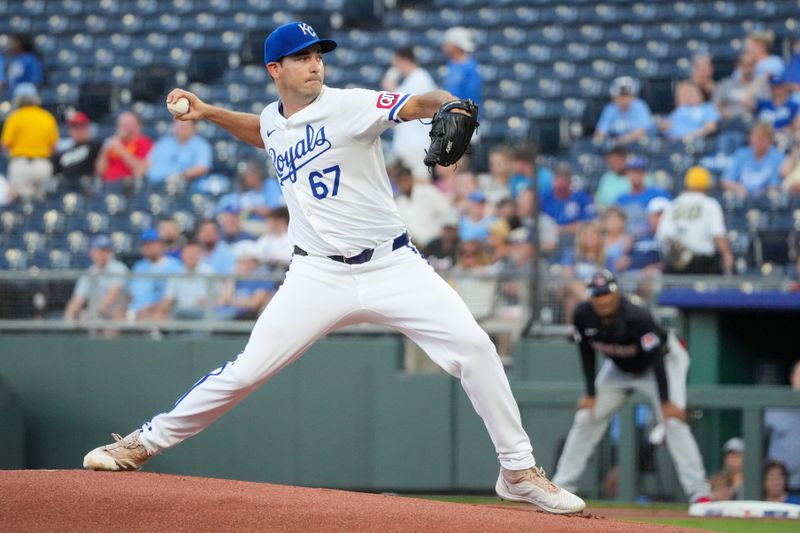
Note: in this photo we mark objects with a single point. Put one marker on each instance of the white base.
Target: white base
(746, 509)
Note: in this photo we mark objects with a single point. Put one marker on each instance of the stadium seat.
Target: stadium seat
(96, 99)
(151, 83)
(658, 94)
(9, 221)
(77, 242)
(207, 65)
(34, 241)
(15, 259)
(140, 220)
(96, 222)
(122, 242)
(252, 48)
(53, 222)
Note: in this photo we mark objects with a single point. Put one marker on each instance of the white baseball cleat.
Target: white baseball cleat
(532, 486)
(123, 454)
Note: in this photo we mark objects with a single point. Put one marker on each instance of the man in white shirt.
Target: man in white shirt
(352, 263)
(692, 230)
(422, 207)
(411, 141)
(275, 245)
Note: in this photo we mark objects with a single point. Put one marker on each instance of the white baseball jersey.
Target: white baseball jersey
(340, 202)
(694, 219)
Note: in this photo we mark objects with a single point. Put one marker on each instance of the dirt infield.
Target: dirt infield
(72, 500)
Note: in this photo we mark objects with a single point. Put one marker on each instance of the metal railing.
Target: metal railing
(35, 300)
(499, 304)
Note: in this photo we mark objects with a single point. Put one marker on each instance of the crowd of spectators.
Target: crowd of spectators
(624, 219)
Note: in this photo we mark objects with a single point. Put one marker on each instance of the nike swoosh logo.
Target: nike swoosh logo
(271, 132)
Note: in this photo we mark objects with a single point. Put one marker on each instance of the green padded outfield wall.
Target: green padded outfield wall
(345, 415)
(12, 433)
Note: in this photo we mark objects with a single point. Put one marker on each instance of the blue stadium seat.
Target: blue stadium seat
(10, 221)
(140, 220)
(58, 259)
(34, 241)
(15, 259)
(122, 242)
(96, 222)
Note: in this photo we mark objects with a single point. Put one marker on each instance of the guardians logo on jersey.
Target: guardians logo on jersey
(308, 148)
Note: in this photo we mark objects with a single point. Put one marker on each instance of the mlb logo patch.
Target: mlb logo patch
(387, 100)
(650, 341)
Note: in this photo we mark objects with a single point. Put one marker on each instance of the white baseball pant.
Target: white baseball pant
(319, 295)
(612, 386)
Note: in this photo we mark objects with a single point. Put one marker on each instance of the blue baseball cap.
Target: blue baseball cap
(476, 196)
(232, 208)
(148, 235)
(101, 242)
(636, 163)
(292, 37)
(778, 79)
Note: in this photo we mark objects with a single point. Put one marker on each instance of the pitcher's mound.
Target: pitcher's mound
(74, 500)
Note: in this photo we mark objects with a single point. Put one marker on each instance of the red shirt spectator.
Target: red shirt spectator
(124, 154)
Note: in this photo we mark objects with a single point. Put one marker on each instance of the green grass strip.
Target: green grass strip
(728, 525)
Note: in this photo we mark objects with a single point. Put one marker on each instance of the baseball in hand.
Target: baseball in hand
(179, 106)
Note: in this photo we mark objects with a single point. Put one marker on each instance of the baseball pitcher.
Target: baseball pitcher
(352, 262)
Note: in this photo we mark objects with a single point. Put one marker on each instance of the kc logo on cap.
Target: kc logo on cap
(291, 38)
(308, 30)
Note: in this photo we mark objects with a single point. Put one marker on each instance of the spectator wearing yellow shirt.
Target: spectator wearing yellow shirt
(29, 135)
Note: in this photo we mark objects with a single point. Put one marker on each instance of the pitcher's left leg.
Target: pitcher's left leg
(412, 298)
(409, 296)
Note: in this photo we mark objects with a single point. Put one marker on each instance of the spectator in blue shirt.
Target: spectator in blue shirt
(792, 71)
(474, 224)
(523, 170)
(230, 223)
(755, 169)
(775, 482)
(634, 203)
(216, 253)
(626, 118)
(244, 298)
(463, 79)
(23, 65)
(757, 46)
(180, 158)
(254, 197)
(692, 117)
(780, 111)
(645, 251)
(147, 293)
(569, 208)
